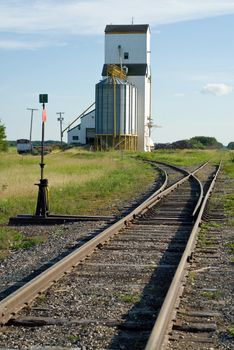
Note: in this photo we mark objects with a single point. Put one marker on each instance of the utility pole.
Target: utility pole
(60, 119)
(32, 110)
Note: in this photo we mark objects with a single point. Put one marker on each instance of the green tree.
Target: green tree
(205, 142)
(231, 145)
(182, 144)
(3, 142)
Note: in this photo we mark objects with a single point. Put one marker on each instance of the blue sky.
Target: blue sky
(57, 47)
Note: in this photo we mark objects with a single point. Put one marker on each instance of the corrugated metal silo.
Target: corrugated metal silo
(116, 107)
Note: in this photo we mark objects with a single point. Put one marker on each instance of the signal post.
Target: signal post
(42, 208)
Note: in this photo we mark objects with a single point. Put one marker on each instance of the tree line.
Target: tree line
(197, 142)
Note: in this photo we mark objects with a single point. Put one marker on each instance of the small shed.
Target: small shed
(84, 132)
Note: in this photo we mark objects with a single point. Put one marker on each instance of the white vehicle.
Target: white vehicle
(24, 146)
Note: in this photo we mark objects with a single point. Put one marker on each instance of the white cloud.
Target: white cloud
(90, 17)
(217, 89)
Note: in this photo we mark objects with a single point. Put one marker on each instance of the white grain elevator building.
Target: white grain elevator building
(122, 116)
(128, 46)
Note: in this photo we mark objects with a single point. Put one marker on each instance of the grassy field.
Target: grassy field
(82, 182)
(187, 157)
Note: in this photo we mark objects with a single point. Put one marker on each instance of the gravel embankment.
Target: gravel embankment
(206, 312)
(60, 238)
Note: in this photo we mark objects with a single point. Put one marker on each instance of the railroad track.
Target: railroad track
(118, 281)
(205, 310)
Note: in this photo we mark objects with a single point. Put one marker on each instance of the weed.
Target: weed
(229, 165)
(229, 204)
(211, 294)
(230, 331)
(131, 298)
(12, 239)
(29, 242)
(205, 227)
(202, 239)
(202, 234)
(74, 338)
(215, 225)
(230, 246)
(41, 297)
(4, 254)
(231, 223)
(210, 242)
(191, 277)
(7, 237)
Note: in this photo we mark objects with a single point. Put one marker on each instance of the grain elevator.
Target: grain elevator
(123, 97)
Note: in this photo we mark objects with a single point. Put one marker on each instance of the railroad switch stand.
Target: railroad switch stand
(42, 198)
(42, 208)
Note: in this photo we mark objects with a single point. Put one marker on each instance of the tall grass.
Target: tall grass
(185, 157)
(229, 198)
(229, 164)
(80, 182)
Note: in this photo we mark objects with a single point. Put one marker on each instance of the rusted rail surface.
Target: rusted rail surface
(158, 338)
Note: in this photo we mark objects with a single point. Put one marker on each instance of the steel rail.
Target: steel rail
(200, 198)
(198, 181)
(161, 326)
(151, 199)
(172, 166)
(27, 293)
